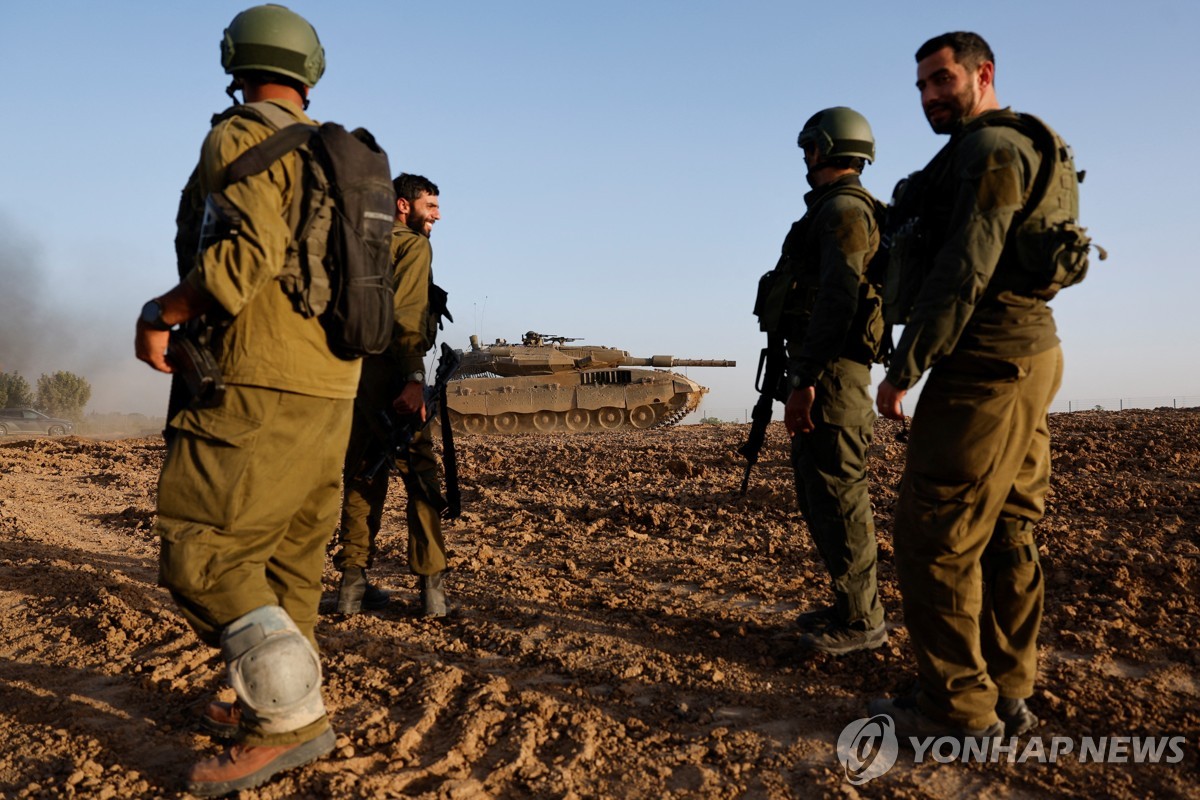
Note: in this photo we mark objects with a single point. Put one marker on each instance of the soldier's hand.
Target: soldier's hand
(150, 346)
(889, 399)
(411, 400)
(797, 413)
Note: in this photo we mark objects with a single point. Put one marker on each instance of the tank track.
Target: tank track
(676, 416)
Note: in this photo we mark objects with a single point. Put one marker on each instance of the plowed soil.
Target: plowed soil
(625, 628)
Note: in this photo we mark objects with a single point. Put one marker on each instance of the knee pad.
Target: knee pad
(274, 670)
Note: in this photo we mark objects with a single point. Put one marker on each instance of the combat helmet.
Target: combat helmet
(272, 38)
(838, 132)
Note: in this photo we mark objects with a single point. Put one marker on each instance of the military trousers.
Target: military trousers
(247, 502)
(362, 505)
(830, 465)
(974, 486)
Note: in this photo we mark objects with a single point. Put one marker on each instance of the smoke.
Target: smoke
(24, 330)
(52, 320)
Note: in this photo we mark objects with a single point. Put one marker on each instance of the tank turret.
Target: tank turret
(546, 385)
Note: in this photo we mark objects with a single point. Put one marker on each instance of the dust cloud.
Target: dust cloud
(50, 323)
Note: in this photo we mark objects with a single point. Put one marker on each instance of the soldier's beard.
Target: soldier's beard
(420, 224)
(956, 109)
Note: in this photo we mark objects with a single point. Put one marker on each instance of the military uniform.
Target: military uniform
(979, 452)
(248, 494)
(833, 329)
(383, 378)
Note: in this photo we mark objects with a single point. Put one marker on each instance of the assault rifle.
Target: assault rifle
(768, 381)
(396, 434)
(189, 355)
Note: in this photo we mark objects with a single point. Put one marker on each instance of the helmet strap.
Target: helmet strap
(234, 86)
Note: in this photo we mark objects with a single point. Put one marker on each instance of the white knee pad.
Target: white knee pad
(274, 670)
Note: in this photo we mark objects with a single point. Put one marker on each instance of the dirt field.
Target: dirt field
(626, 628)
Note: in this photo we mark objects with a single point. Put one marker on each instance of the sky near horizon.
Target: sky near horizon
(622, 172)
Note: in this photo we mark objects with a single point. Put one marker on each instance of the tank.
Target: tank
(545, 384)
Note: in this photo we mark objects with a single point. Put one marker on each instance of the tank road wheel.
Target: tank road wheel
(577, 419)
(545, 421)
(642, 417)
(609, 417)
(507, 422)
(474, 423)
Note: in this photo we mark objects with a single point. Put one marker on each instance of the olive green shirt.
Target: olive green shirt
(412, 272)
(975, 193)
(833, 243)
(268, 343)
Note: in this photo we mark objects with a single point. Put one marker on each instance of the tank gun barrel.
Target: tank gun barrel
(666, 362)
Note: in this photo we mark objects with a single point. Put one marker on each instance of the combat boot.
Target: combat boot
(912, 723)
(351, 590)
(433, 595)
(375, 598)
(221, 719)
(837, 639)
(246, 766)
(1016, 716)
(355, 592)
(816, 618)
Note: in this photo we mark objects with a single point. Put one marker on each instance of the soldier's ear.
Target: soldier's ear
(403, 207)
(986, 74)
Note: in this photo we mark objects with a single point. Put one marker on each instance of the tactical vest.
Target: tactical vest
(1046, 249)
(788, 293)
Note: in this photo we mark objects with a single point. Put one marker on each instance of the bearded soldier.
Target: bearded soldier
(985, 236)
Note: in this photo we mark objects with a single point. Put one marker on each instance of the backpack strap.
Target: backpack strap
(289, 134)
(1044, 142)
(268, 151)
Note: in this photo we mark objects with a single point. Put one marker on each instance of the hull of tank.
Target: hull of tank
(572, 402)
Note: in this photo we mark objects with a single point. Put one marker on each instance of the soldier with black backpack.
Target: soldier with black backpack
(822, 302)
(980, 240)
(282, 239)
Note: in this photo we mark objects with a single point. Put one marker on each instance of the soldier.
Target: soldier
(248, 496)
(979, 451)
(396, 380)
(833, 330)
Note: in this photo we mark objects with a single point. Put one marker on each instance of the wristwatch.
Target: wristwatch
(152, 316)
(416, 377)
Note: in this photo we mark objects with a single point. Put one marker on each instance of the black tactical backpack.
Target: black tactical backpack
(337, 265)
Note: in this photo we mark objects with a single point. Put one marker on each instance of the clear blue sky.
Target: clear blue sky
(618, 171)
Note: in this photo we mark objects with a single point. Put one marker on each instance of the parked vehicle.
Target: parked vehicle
(26, 420)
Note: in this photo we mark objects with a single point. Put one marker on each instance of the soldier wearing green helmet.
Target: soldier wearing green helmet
(831, 323)
(247, 497)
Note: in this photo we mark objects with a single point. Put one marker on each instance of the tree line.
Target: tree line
(61, 394)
